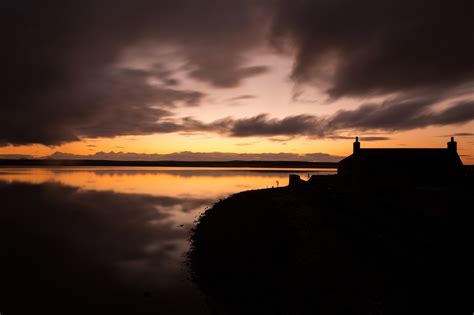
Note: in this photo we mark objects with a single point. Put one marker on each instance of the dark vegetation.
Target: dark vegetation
(329, 247)
(469, 169)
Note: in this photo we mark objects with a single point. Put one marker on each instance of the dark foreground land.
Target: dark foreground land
(328, 247)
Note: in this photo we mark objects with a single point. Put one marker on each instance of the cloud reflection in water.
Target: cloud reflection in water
(72, 250)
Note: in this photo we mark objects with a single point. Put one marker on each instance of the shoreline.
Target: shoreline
(276, 165)
(327, 246)
(236, 164)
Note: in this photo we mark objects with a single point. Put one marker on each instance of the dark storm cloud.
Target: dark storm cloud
(461, 112)
(401, 115)
(60, 79)
(388, 116)
(368, 138)
(366, 47)
(373, 138)
(63, 247)
(459, 134)
(262, 125)
(242, 97)
(265, 126)
(239, 100)
(109, 103)
(223, 79)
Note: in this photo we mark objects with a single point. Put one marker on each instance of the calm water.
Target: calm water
(119, 230)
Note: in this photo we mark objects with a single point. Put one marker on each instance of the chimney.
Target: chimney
(356, 146)
(452, 145)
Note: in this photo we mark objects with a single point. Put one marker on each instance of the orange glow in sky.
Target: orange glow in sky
(271, 93)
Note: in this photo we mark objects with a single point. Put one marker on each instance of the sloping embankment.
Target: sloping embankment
(329, 248)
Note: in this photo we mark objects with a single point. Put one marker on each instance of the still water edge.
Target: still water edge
(114, 235)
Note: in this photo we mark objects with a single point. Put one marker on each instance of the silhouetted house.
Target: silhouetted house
(402, 165)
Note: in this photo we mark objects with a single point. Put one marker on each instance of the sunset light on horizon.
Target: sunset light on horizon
(234, 77)
(236, 157)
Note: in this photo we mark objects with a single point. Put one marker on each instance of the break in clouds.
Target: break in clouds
(62, 79)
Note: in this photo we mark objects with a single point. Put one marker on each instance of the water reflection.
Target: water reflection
(103, 240)
(168, 181)
(68, 248)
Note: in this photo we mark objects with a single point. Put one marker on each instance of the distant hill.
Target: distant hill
(179, 159)
(15, 156)
(73, 162)
(197, 156)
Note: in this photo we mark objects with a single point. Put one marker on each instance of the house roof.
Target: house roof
(404, 156)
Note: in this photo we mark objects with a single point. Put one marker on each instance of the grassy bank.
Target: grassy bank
(330, 248)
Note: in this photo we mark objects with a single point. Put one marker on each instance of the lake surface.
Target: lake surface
(112, 237)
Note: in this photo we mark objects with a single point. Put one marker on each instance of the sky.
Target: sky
(261, 78)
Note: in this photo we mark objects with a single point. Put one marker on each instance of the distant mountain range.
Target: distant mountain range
(15, 156)
(185, 156)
